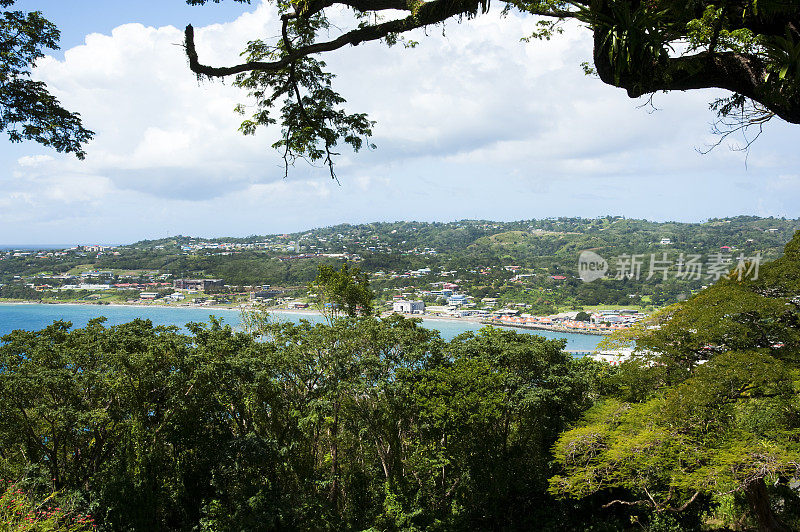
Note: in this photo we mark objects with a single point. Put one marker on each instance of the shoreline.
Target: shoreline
(309, 312)
(132, 305)
(551, 329)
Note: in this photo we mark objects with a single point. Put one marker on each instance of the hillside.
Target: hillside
(533, 262)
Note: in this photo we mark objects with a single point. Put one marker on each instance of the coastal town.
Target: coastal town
(152, 289)
(524, 274)
(520, 275)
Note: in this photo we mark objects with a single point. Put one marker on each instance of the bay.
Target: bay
(31, 317)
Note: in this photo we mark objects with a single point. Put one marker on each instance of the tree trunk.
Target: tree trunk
(758, 498)
(334, 434)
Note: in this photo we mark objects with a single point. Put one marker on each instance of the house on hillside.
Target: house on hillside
(198, 284)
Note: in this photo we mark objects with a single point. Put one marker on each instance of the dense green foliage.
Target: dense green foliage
(362, 423)
(378, 424)
(342, 292)
(27, 110)
(709, 415)
(20, 512)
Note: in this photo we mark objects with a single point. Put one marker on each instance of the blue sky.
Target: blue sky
(77, 18)
(471, 124)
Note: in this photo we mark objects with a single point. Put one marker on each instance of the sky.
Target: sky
(473, 123)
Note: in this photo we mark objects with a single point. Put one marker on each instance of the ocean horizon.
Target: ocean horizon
(34, 247)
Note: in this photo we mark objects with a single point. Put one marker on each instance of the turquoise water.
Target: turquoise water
(34, 317)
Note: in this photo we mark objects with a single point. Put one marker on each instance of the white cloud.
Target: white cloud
(151, 115)
(786, 183)
(510, 129)
(29, 161)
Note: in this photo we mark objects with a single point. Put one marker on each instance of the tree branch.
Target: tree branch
(626, 503)
(690, 501)
(740, 73)
(293, 81)
(316, 6)
(427, 14)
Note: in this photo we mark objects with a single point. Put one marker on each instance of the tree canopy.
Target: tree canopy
(360, 424)
(751, 49)
(709, 415)
(344, 291)
(27, 109)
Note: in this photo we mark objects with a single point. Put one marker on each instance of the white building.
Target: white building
(408, 307)
(94, 287)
